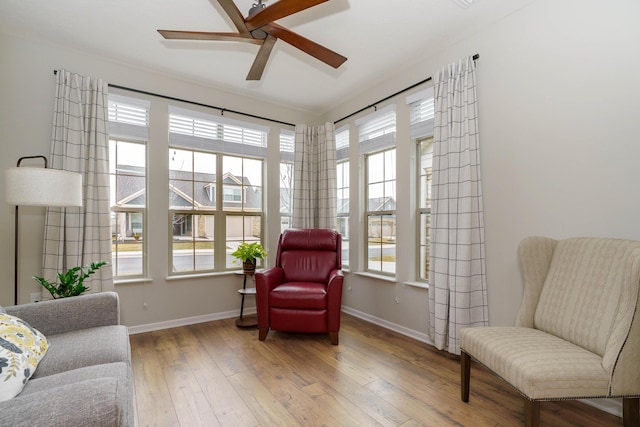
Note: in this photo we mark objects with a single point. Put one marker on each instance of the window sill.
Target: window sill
(201, 275)
(133, 280)
(376, 276)
(421, 285)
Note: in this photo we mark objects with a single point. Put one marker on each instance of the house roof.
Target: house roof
(183, 192)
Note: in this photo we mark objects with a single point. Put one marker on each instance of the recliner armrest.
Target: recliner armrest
(269, 278)
(266, 280)
(336, 276)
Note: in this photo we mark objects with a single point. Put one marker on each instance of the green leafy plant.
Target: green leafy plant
(249, 252)
(71, 281)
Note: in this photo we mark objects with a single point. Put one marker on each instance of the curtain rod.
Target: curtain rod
(221, 109)
(375, 104)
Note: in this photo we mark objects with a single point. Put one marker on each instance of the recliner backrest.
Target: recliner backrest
(309, 255)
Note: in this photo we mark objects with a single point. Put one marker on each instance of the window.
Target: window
(377, 144)
(192, 181)
(342, 174)
(287, 144)
(425, 159)
(381, 206)
(128, 131)
(243, 221)
(213, 159)
(421, 130)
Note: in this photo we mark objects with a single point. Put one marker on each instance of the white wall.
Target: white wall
(559, 90)
(558, 95)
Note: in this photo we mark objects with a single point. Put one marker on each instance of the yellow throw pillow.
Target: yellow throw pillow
(21, 349)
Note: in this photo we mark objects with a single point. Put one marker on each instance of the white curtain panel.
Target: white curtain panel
(314, 179)
(457, 275)
(80, 143)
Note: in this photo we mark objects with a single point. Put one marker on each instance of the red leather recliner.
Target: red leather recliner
(303, 291)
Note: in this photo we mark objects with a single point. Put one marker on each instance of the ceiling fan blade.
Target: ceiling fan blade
(255, 73)
(236, 16)
(320, 52)
(278, 10)
(200, 35)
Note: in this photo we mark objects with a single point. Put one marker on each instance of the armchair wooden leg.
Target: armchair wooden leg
(630, 411)
(465, 375)
(531, 413)
(262, 333)
(333, 336)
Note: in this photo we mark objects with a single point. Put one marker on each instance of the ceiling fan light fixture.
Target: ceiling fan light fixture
(256, 7)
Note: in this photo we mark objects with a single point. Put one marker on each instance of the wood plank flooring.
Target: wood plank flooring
(215, 374)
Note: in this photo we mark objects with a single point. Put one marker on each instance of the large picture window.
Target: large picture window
(215, 191)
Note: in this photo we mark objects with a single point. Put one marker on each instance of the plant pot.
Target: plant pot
(249, 266)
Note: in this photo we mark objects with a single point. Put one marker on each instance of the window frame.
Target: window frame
(423, 243)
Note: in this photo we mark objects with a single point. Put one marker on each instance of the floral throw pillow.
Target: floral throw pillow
(21, 349)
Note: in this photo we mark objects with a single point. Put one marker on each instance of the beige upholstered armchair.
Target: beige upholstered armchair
(577, 334)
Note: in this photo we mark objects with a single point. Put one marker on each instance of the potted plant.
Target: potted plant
(248, 253)
(71, 281)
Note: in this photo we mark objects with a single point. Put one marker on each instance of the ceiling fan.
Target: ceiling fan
(259, 28)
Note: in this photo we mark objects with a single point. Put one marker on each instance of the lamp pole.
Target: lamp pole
(15, 249)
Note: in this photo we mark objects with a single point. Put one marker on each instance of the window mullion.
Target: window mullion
(220, 220)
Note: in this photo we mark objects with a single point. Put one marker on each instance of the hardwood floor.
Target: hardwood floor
(215, 374)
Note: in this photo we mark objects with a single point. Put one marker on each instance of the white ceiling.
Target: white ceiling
(379, 38)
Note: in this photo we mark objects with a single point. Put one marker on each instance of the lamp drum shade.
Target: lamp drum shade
(27, 186)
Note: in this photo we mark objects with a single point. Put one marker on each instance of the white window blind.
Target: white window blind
(377, 131)
(342, 143)
(128, 117)
(287, 145)
(422, 109)
(197, 130)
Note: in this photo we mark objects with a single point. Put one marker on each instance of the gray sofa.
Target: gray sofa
(85, 377)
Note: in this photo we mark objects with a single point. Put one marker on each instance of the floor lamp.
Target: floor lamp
(29, 186)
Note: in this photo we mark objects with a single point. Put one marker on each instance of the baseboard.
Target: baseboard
(150, 327)
(419, 336)
(612, 406)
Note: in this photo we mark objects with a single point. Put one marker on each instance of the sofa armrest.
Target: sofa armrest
(70, 314)
(100, 402)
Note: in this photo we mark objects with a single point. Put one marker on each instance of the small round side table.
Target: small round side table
(245, 321)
